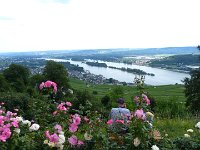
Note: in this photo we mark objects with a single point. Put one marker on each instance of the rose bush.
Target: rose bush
(58, 126)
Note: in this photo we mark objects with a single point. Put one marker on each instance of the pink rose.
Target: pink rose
(47, 134)
(73, 140)
(48, 84)
(53, 84)
(55, 112)
(69, 104)
(136, 99)
(54, 138)
(120, 121)
(58, 127)
(140, 114)
(80, 142)
(55, 89)
(110, 121)
(86, 119)
(146, 99)
(41, 86)
(73, 128)
(76, 119)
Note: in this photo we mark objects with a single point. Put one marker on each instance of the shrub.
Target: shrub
(16, 101)
(17, 76)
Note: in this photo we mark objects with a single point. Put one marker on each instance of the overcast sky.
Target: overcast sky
(29, 25)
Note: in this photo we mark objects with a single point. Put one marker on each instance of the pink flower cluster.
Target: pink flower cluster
(76, 120)
(86, 119)
(56, 139)
(140, 114)
(73, 140)
(137, 99)
(49, 84)
(144, 99)
(110, 122)
(73, 127)
(63, 107)
(7, 122)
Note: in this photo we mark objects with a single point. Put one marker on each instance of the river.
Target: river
(162, 77)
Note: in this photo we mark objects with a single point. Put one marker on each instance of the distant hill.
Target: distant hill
(144, 51)
(154, 51)
(120, 52)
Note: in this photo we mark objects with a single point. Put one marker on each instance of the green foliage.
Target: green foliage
(117, 92)
(95, 92)
(36, 79)
(171, 108)
(153, 102)
(81, 98)
(183, 143)
(5, 84)
(106, 101)
(16, 101)
(17, 76)
(56, 72)
(192, 91)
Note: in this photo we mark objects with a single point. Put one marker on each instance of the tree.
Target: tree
(56, 72)
(36, 79)
(17, 76)
(192, 90)
(5, 86)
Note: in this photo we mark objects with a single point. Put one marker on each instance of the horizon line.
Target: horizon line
(27, 51)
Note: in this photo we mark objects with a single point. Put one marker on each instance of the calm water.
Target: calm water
(162, 77)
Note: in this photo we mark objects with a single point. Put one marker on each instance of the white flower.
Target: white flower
(190, 130)
(149, 114)
(51, 144)
(166, 135)
(61, 133)
(136, 142)
(59, 146)
(17, 130)
(87, 136)
(26, 122)
(19, 119)
(46, 141)
(154, 147)
(186, 135)
(70, 91)
(61, 138)
(34, 127)
(197, 125)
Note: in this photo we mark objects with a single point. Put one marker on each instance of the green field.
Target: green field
(161, 93)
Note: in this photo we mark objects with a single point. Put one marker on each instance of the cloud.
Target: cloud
(81, 24)
(54, 1)
(6, 18)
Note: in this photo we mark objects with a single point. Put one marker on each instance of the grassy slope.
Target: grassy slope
(173, 127)
(159, 92)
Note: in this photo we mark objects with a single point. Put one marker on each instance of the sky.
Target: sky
(37, 25)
